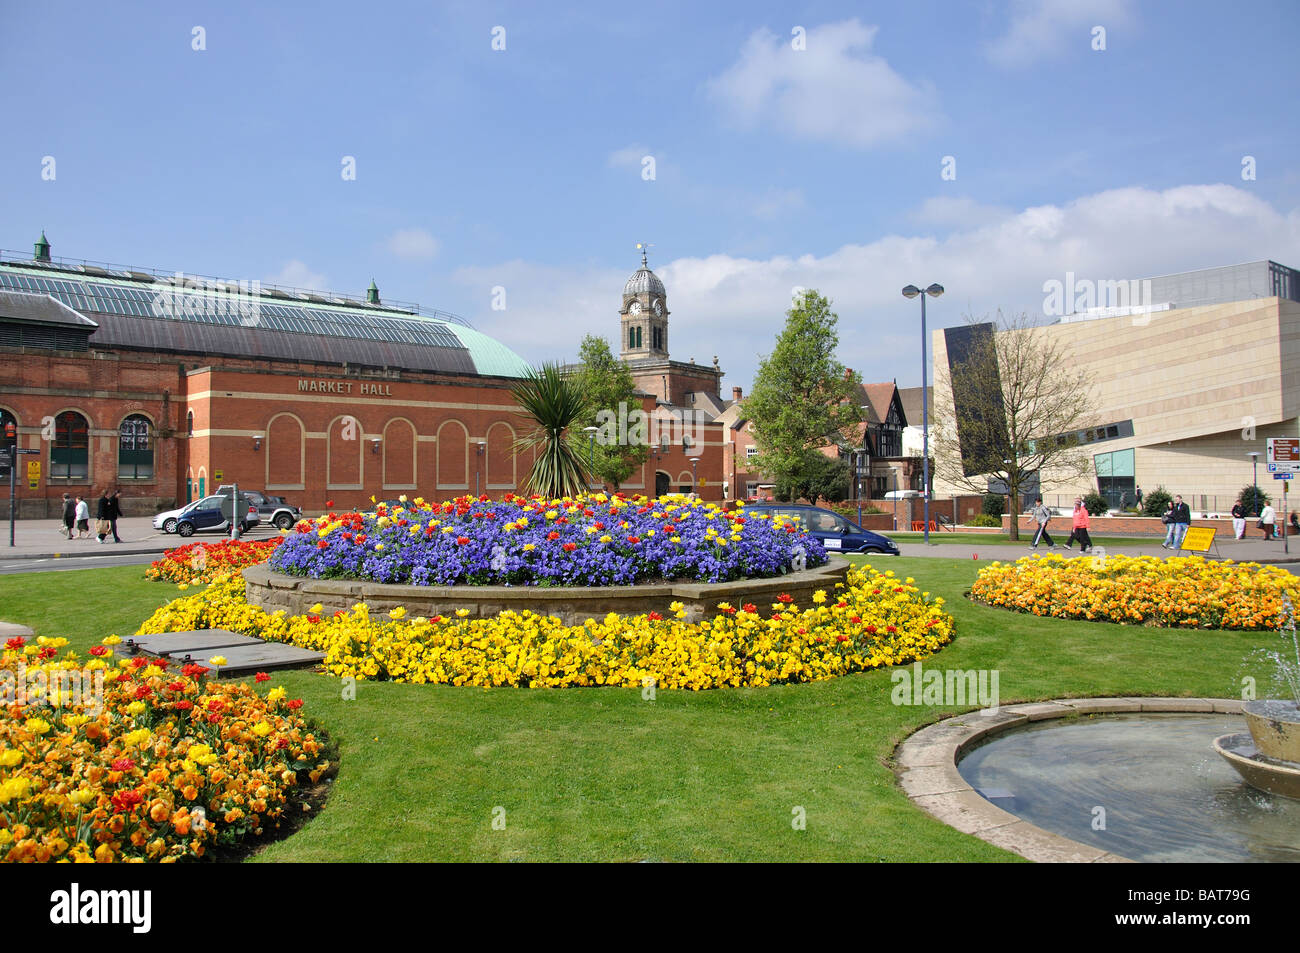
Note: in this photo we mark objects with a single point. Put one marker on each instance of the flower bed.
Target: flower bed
(1180, 592)
(157, 765)
(874, 620)
(588, 541)
(200, 563)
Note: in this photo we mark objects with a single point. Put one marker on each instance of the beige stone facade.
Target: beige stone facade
(1200, 387)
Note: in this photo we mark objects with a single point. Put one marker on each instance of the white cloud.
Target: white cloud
(960, 212)
(734, 306)
(835, 90)
(296, 274)
(413, 244)
(1041, 28)
(629, 157)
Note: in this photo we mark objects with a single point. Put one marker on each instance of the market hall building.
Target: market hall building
(166, 386)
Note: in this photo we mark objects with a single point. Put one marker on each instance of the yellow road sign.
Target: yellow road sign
(33, 474)
(1199, 539)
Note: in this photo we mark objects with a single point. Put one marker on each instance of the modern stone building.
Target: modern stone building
(1188, 382)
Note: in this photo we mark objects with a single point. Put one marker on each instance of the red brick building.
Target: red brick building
(167, 385)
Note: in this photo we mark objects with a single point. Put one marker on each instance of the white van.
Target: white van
(903, 494)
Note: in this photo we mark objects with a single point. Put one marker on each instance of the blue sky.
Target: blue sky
(774, 167)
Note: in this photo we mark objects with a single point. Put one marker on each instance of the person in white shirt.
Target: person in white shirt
(1268, 516)
(83, 519)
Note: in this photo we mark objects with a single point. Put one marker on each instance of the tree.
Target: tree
(1156, 502)
(1254, 499)
(608, 393)
(819, 477)
(801, 396)
(553, 403)
(1010, 410)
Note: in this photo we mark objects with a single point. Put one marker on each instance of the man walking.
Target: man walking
(114, 513)
(1041, 516)
(1239, 519)
(102, 510)
(69, 515)
(1182, 521)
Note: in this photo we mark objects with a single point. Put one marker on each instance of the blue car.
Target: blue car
(833, 531)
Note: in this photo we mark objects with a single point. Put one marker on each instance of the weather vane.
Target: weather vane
(642, 247)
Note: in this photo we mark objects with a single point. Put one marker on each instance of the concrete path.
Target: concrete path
(41, 539)
(1251, 549)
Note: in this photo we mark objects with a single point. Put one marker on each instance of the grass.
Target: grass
(997, 539)
(603, 774)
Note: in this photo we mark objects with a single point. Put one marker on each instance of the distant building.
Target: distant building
(1190, 380)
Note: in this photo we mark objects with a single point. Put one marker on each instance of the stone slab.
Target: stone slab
(12, 630)
(264, 656)
(1228, 706)
(1092, 706)
(1178, 704)
(965, 810)
(932, 779)
(1039, 845)
(1038, 711)
(196, 643)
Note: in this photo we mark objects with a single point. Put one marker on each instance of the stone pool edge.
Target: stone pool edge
(926, 766)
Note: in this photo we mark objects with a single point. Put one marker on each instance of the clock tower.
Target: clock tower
(643, 318)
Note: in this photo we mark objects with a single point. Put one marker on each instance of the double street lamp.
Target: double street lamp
(911, 291)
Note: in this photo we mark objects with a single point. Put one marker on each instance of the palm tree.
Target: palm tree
(554, 403)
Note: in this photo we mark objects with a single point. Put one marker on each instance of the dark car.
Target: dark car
(270, 509)
(205, 514)
(833, 531)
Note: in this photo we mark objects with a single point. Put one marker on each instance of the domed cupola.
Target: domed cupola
(644, 314)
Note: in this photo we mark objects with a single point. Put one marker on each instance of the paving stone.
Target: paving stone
(932, 779)
(965, 810)
(264, 656)
(11, 630)
(917, 754)
(195, 643)
(1228, 706)
(1177, 704)
(1039, 845)
(1088, 706)
(1038, 711)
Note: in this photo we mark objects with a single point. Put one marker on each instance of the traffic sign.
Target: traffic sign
(33, 474)
(1284, 449)
(1283, 476)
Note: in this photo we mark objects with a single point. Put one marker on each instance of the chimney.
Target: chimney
(736, 394)
(848, 373)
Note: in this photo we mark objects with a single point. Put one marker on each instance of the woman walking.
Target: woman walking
(1268, 520)
(83, 518)
(102, 511)
(1080, 528)
(69, 515)
(114, 514)
(1041, 516)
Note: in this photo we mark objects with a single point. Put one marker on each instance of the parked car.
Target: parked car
(903, 494)
(271, 509)
(204, 514)
(833, 531)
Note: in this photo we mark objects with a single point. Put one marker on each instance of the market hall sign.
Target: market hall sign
(344, 387)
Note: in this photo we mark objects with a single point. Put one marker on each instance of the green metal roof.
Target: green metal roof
(490, 356)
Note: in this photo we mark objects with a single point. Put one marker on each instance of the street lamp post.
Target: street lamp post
(591, 454)
(911, 291)
(857, 478)
(695, 483)
(1254, 478)
(478, 464)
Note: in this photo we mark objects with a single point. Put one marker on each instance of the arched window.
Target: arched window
(134, 451)
(6, 419)
(189, 424)
(638, 337)
(631, 338)
(70, 453)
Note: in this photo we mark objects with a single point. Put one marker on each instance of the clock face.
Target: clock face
(634, 308)
(659, 307)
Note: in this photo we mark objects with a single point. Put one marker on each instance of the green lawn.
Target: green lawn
(997, 539)
(601, 774)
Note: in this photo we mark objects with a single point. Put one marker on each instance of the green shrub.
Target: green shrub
(1254, 499)
(1156, 503)
(984, 519)
(1095, 504)
(995, 504)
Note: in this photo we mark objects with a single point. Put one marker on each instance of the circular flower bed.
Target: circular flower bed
(104, 759)
(200, 563)
(875, 620)
(1180, 592)
(587, 541)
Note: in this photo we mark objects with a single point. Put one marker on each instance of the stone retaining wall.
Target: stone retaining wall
(1128, 525)
(571, 604)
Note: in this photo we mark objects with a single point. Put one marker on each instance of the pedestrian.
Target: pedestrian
(1139, 497)
(114, 513)
(102, 510)
(1268, 520)
(69, 515)
(1041, 516)
(1079, 528)
(1239, 519)
(1168, 519)
(1181, 515)
(1295, 523)
(83, 518)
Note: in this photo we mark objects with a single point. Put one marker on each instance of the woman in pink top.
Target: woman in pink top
(1080, 528)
